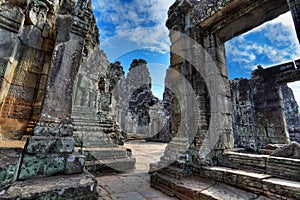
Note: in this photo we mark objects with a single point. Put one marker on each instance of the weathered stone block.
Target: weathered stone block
(284, 168)
(42, 144)
(9, 166)
(281, 189)
(37, 166)
(11, 17)
(21, 94)
(64, 22)
(7, 43)
(49, 129)
(74, 164)
(3, 65)
(30, 32)
(77, 186)
(16, 111)
(251, 162)
(13, 128)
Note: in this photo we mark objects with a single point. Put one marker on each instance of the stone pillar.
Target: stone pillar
(221, 105)
(269, 107)
(199, 55)
(294, 6)
(49, 150)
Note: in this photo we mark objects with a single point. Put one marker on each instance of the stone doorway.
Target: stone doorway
(253, 126)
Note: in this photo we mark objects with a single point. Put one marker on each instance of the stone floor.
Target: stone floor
(134, 185)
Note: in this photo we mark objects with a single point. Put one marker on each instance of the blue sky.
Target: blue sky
(132, 29)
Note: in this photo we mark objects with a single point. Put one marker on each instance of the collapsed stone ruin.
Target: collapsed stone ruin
(227, 139)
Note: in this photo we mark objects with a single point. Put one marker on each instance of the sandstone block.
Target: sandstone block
(44, 145)
(74, 164)
(37, 166)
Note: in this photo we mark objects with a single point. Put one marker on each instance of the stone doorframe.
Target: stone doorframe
(198, 32)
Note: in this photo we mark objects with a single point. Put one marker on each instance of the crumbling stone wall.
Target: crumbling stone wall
(264, 111)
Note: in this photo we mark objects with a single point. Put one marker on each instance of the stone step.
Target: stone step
(99, 144)
(263, 163)
(84, 114)
(91, 124)
(173, 171)
(76, 186)
(86, 123)
(93, 129)
(255, 182)
(281, 188)
(104, 153)
(91, 134)
(198, 188)
(82, 110)
(84, 117)
(99, 167)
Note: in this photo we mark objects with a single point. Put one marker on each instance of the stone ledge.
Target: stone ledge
(286, 168)
(254, 182)
(68, 187)
(263, 164)
(197, 188)
(238, 178)
(288, 189)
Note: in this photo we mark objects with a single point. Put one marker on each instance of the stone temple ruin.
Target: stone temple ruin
(60, 94)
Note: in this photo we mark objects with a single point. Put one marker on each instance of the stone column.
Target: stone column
(294, 6)
(220, 104)
(49, 150)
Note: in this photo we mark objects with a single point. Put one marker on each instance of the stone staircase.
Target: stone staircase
(237, 176)
(93, 140)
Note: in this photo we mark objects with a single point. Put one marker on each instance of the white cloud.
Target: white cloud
(274, 42)
(130, 25)
(154, 39)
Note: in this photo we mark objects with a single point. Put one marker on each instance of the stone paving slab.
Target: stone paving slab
(134, 185)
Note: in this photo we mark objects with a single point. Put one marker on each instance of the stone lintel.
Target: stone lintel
(239, 16)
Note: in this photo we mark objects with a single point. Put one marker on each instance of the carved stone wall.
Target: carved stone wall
(28, 35)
